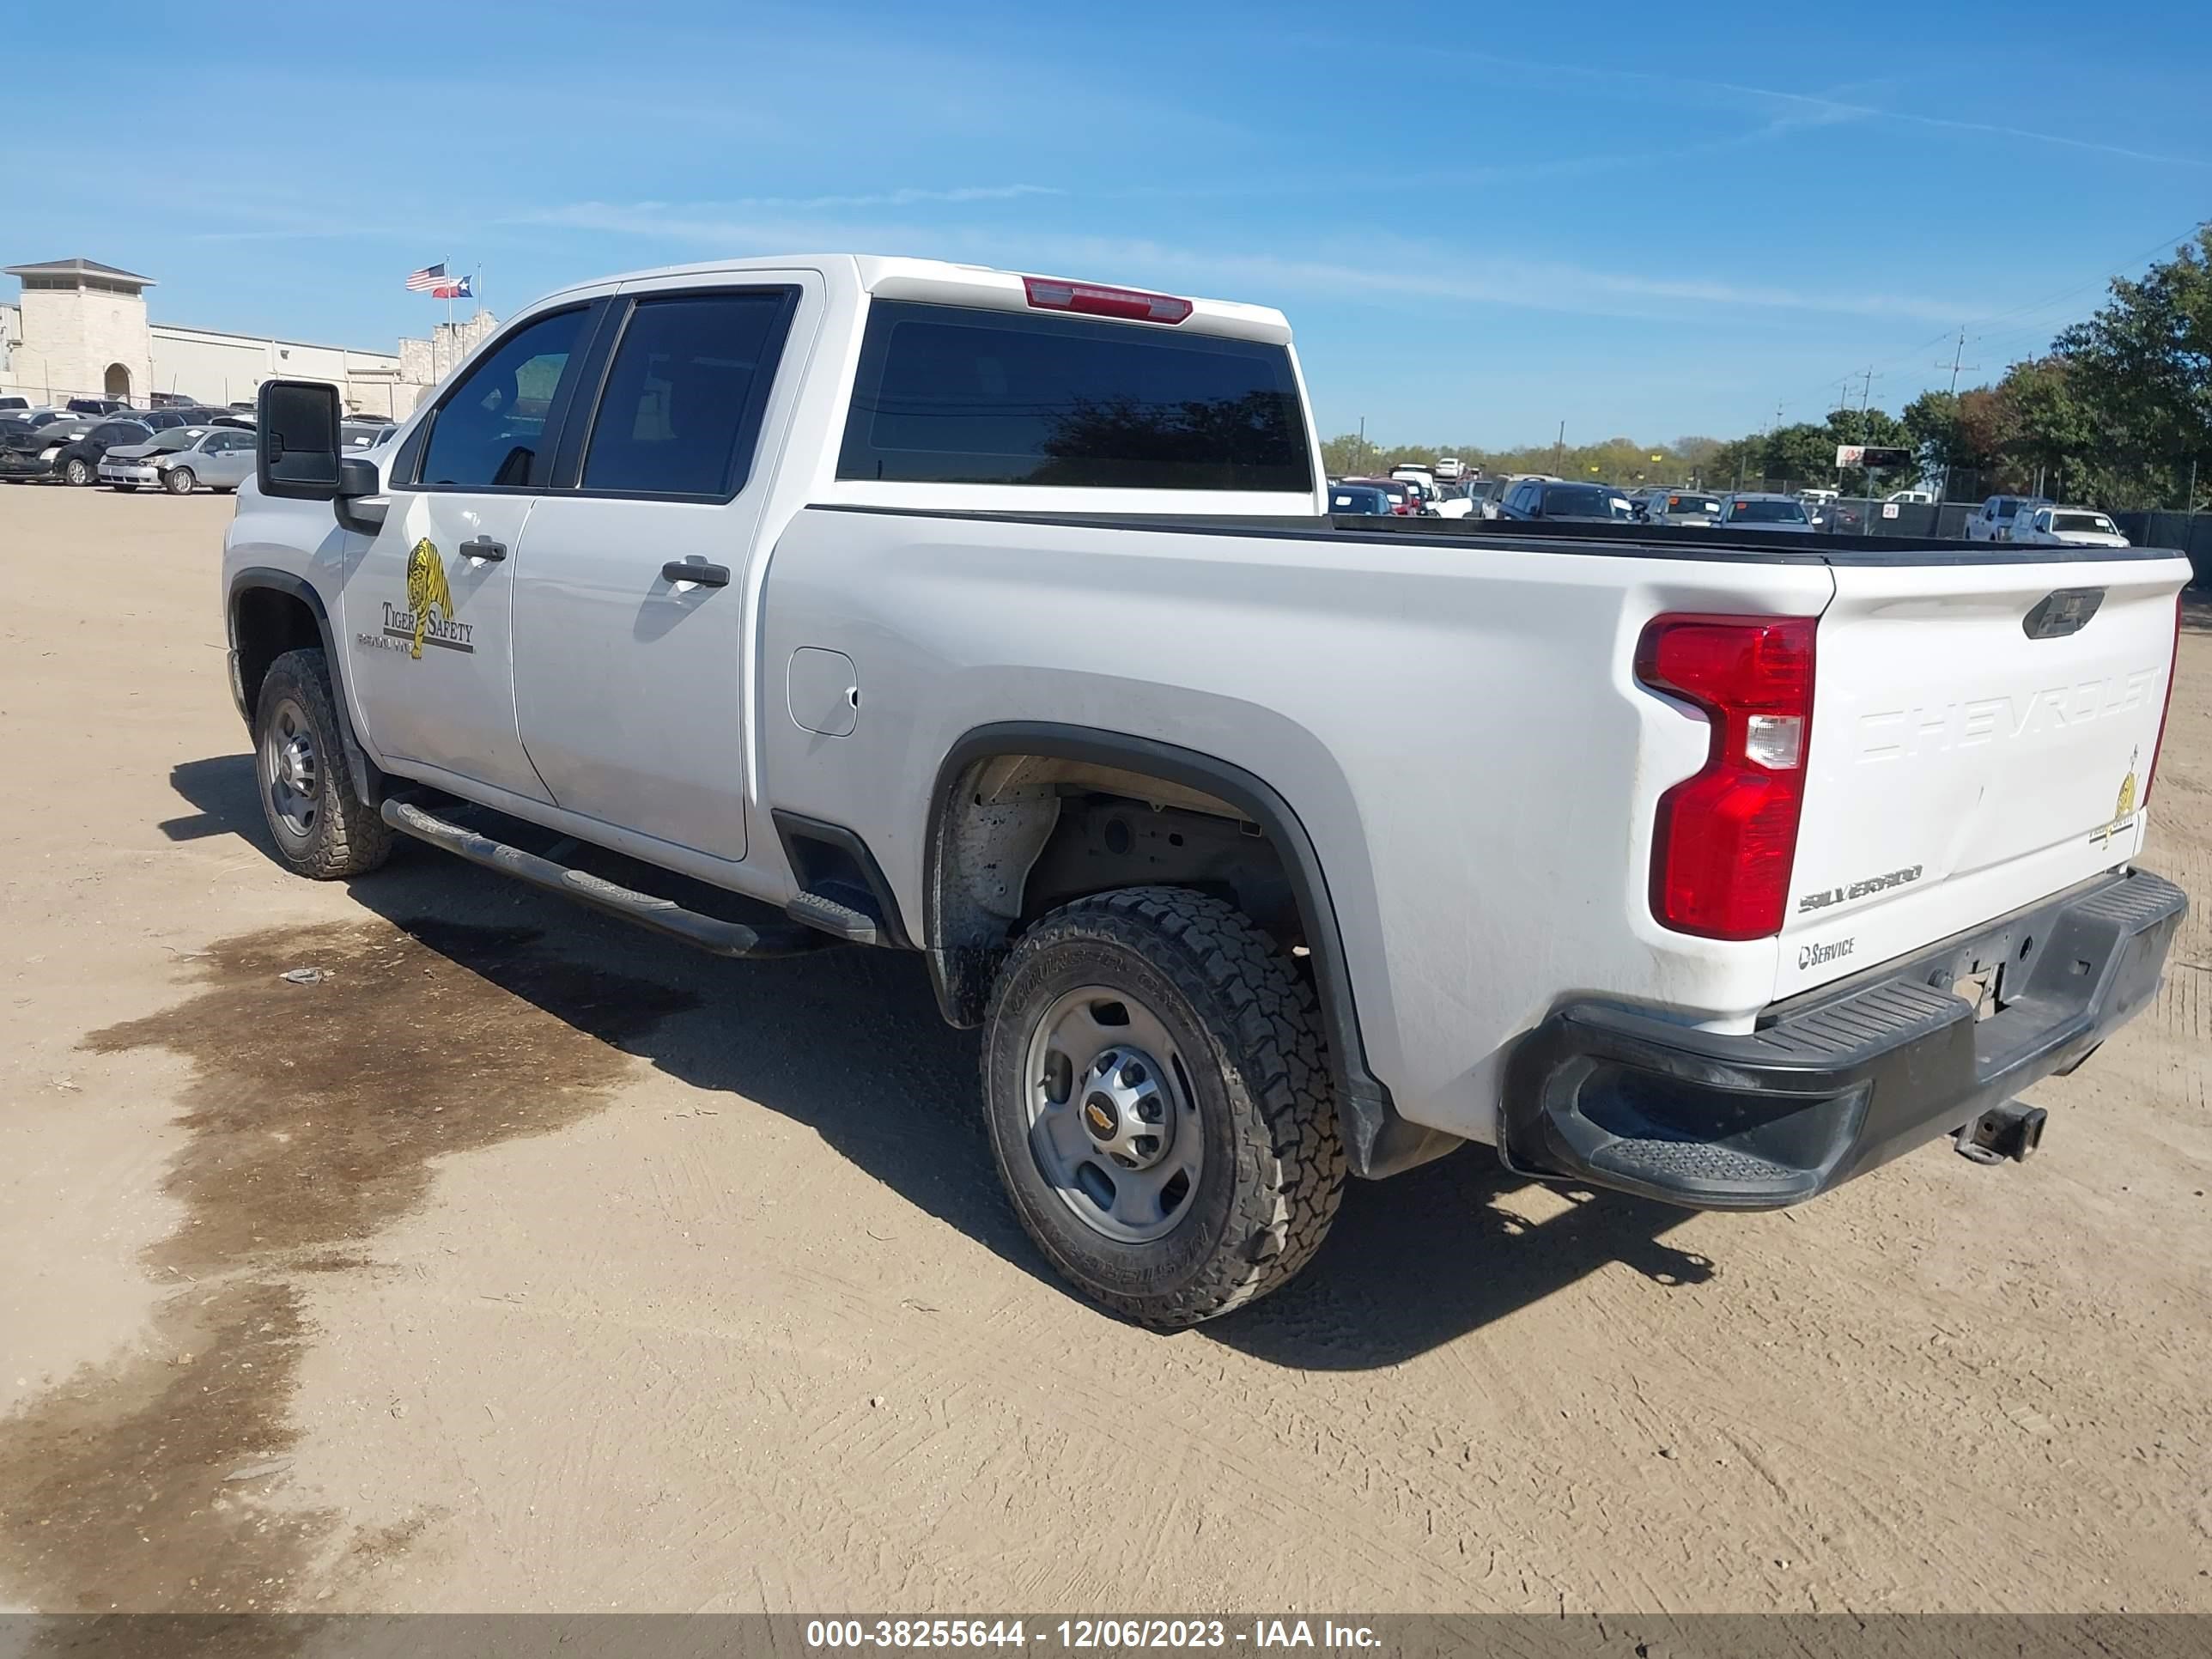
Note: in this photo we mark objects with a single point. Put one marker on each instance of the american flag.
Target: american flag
(428, 280)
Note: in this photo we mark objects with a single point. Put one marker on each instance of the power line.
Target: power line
(1958, 369)
(2032, 306)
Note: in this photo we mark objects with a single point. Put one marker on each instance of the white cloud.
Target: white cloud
(1817, 109)
(1380, 270)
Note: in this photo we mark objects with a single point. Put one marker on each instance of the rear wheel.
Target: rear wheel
(76, 470)
(178, 481)
(321, 827)
(1158, 1103)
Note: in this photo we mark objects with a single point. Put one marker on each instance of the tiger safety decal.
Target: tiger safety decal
(2124, 807)
(429, 618)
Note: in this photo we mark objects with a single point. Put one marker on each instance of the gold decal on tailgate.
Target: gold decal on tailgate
(2124, 807)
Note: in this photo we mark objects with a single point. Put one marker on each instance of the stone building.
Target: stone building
(80, 331)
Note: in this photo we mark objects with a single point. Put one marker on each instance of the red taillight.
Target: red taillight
(1131, 305)
(2172, 670)
(1725, 839)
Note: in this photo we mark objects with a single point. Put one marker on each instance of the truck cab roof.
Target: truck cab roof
(942, 282)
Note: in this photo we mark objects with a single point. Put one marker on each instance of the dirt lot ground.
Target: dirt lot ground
(525, 1262)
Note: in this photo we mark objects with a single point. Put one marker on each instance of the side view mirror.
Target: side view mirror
(297, 459)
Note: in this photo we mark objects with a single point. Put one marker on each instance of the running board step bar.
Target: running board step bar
(704, 932)
(839, 921)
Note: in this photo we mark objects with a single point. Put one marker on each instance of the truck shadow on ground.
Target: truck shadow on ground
(849, 1044)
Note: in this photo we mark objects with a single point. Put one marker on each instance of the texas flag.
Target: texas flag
(434, 281)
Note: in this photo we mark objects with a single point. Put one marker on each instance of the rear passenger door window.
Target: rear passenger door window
(682, 409)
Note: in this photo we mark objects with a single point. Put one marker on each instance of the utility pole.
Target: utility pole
(1956, 366)
(1559, 449)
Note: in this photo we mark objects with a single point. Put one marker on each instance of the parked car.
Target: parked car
(1992, 521)
(1450, 468)
(32, 454)
(1488, 494)
(1403, 500)
(79, 460)
(1532, 500)
(1454, 502)
(182, 458)
(99, 406)
(12, 405)
(1417, 474)
(40, 415)
(2066, 526)
(1912, 497)
(1750, 510)
(1682, 507)
(365, 435)
(1238, 920)
(1359, 498)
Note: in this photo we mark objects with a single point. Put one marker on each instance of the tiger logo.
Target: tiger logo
(426, 587)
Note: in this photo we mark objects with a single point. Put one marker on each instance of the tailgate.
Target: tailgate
(1977, 744)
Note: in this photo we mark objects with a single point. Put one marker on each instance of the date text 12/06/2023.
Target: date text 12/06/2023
(1080, 1635)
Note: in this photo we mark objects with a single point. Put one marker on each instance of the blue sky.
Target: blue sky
(1648, 220)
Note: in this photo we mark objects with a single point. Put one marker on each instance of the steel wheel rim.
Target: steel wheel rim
(292, 771)
(1113, 1124)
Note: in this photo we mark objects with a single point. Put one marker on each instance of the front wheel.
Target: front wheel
(76, 470)
(1158, 1103)
(178, 481)
(321, 827)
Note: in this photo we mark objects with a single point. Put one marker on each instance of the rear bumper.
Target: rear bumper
(1843, 1079)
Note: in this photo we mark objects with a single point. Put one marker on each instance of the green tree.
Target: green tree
(2140, 372)
(1347, 455)
(2049, 435)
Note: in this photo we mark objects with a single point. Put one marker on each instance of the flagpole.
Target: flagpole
(449, 295)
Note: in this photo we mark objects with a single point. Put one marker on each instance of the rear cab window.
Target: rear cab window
(948, 394)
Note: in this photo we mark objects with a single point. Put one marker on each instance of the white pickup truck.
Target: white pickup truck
(777, 603)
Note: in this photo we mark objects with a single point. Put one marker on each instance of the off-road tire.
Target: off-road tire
(178, 481)
(1250, 1036)
(346, 837)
